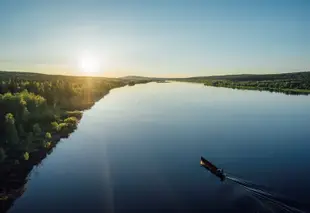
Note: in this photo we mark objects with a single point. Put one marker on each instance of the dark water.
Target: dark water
(138, 150)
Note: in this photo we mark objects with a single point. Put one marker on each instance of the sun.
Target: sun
(89, 64)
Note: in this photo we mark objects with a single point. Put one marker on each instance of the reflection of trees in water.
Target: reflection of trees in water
(14, 177)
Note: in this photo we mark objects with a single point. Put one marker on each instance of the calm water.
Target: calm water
(138, 150)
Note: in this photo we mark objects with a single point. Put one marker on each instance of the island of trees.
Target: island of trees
(36, 111)
(289, 83)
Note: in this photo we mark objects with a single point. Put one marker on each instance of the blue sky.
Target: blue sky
(156, 38)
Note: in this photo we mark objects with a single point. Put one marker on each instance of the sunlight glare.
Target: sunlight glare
(89, 64)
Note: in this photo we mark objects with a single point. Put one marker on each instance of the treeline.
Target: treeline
(289, 83)
(37, 109)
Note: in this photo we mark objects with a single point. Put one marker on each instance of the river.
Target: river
(138, 150)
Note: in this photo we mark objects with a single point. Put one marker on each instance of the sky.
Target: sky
(155, 38)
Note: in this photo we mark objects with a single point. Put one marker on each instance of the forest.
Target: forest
(289, 83)
(36, 110)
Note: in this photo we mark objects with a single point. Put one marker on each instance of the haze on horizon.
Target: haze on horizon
(155, 38)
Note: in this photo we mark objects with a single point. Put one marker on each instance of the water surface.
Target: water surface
(138, 150)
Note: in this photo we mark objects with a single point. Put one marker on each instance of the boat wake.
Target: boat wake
(264, 194)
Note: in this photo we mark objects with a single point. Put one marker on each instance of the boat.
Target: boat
(212, 168)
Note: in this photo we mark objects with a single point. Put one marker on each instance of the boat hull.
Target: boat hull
(212, 168)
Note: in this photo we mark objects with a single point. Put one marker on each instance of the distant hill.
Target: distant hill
(290, 83)
(241, 77)
(133, 77)
(4, 75)
(255, 77)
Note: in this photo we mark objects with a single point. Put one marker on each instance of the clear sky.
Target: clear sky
(155, 38)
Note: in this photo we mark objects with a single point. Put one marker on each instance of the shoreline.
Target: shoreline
(293, 83)
(272, 90)
(283, 91)
(14, 176)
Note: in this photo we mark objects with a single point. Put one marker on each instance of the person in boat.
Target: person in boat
(212, 168)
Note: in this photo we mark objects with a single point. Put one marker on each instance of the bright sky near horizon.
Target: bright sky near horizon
(155, 38)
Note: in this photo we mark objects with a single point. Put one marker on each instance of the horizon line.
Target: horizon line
(134, 75)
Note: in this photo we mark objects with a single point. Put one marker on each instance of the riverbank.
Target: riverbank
(289, 83)
(269, 89)
(37, 112)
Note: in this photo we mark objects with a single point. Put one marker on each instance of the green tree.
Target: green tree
(36, 129)
(48, 136)
(26, 156)
(21, 130)
(71, 120)
(63, 127)
(10, 127)
(55, 126)
(28, 141)
(2, 155)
